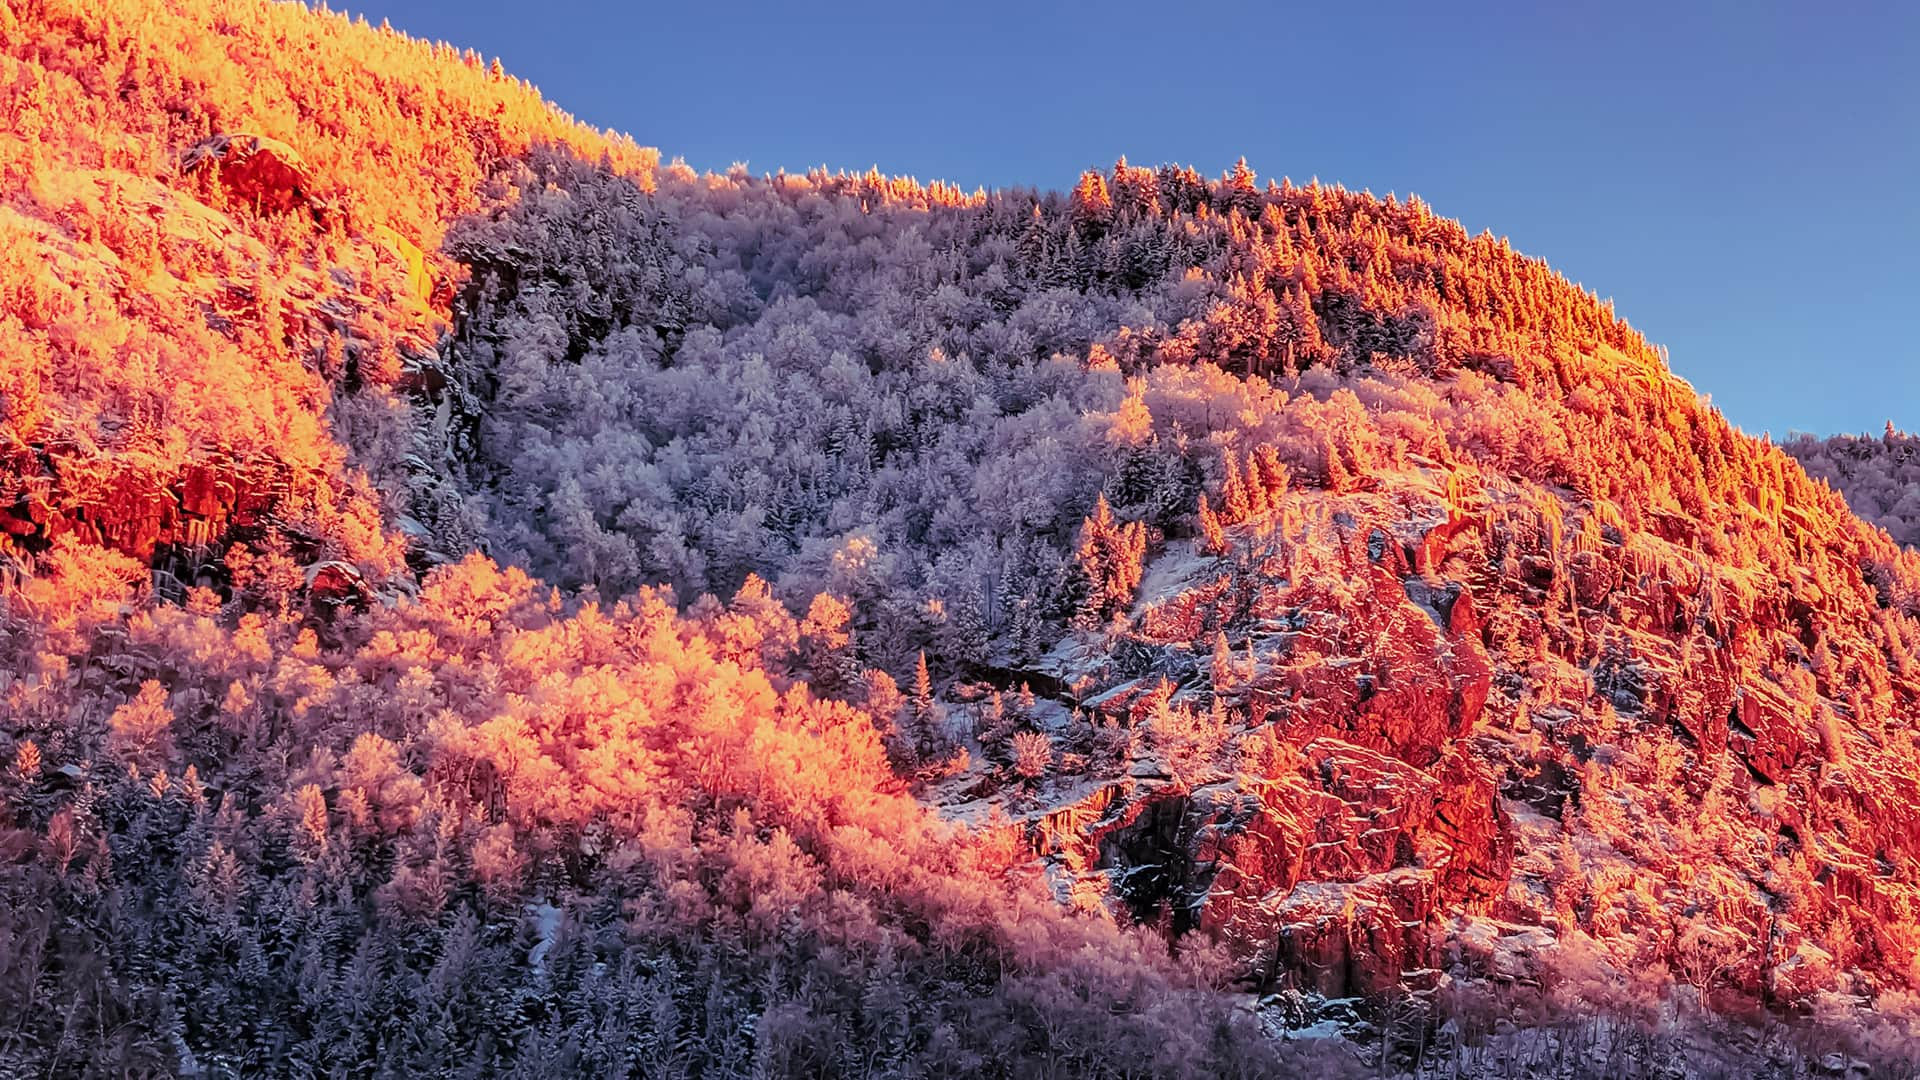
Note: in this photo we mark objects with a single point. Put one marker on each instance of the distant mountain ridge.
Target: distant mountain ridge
(477, 600)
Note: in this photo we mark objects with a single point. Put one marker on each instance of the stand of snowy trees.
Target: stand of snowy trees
(294, 783)
(1880, 477)
(913, 399)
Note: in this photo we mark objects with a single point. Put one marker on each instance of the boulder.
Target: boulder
(264, 173)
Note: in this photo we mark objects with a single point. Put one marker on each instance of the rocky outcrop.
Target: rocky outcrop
(136, 512)
(1341, 873)
(263, 173)
(1353, 819)
(319, 324)
(179, 523)
(1462, 734)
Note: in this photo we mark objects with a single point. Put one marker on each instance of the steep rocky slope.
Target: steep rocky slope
(1305, 611)
(1498, 634)
(202, 265)
(1458, 730)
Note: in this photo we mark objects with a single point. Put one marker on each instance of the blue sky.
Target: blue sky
(1743, 179)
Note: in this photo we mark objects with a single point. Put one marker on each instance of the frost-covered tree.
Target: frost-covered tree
(1879, 477)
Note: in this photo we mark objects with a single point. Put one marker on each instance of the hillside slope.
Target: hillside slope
(180, 321)
(1293, 596)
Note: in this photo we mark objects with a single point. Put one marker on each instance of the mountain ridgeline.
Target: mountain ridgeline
(476, 600)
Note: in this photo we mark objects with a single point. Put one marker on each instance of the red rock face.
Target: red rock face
(259, 172)
(1460, 742)
(157, 519)
(1338, 880)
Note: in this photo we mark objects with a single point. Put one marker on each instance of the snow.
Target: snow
(546, 922)
(1179, 569)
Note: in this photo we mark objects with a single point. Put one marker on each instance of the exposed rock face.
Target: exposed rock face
(1463, 732)
(181, 526)
(284, 329)
(135, 513)
(260, 172)
(1333, 873)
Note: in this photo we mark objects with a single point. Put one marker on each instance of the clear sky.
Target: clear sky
(1742, 178)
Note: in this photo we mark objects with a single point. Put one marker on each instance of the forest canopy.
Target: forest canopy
(475, 599)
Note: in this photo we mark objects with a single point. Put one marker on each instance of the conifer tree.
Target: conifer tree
(1213, 537)
(1112, 558)
(929, 718)
(1092, 205)
(1224, 675)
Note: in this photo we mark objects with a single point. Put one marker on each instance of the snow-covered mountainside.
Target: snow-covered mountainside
(475, 599)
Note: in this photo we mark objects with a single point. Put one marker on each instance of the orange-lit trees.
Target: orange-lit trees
(692, 817)
(1112, 556)
(384, 815)
(1092, 205)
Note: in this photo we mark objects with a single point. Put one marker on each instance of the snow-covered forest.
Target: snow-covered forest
(1880, 477)
(476, 600)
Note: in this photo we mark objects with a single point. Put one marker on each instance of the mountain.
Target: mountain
(1879, 477)
(479, 600)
